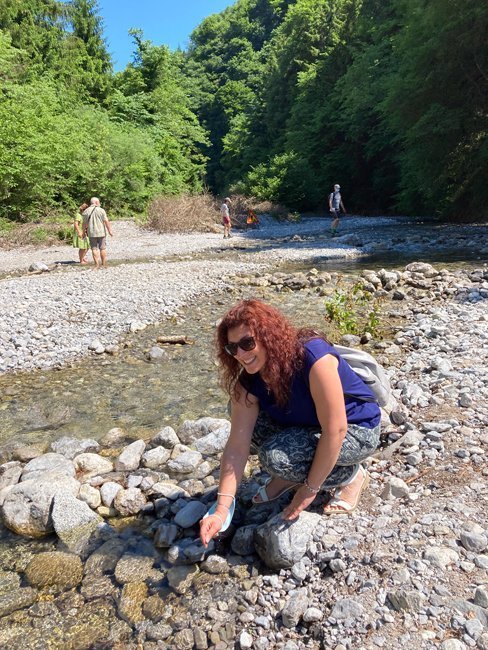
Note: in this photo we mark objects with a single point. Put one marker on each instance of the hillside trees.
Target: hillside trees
(69, 128)
(389, 98)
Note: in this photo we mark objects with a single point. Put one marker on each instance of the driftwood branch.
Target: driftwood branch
(183, 340)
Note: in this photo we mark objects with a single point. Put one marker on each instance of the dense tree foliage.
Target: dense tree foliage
(70, 128)
(387, 97)
(275, 98)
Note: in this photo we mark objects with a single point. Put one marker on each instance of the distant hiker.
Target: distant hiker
(96, 225)
(82, 243)
(225, 214)
(335, 207)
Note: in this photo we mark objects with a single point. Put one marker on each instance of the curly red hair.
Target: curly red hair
(282, 341)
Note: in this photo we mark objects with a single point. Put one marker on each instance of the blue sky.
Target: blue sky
(164, 22)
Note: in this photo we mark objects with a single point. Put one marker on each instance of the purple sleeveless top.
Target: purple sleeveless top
(361, 407)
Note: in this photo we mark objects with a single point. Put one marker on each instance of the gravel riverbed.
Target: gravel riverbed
(59, 315)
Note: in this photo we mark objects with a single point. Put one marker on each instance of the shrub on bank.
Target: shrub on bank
(185, 213)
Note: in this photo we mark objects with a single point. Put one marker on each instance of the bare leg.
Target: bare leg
(82, 252)
(103, 254)
(96, 257)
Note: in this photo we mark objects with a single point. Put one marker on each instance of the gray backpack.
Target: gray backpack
(370, 371)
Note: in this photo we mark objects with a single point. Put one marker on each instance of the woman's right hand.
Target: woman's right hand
(209, 528)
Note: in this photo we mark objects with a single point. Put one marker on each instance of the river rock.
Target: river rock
(214, 442)
(90, 495)
(10, 473)
(56, 569)
(165, 535)
(192, 430)
(168, 491)
(131, 601)
(71, 447)
(130, 501)
(74, 522)
(105, 558)
(133, 568)
(165, 438)
(347, 608)
(215, 564)
(156, 458)
(395, 488)
(185, 463)
(90, 465)
(130, 457)
(47, 463)
(181, 577)
(190, 514)
(441, 556)
(27, 507)
(474, 542)
(423, 268)
(295, 607)
(17, 599)
(108, 492)
(281, 543)
(94, 587)
(410, 601)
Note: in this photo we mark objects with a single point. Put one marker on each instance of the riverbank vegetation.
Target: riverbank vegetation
(276, 99)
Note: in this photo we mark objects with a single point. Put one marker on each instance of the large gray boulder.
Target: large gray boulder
(71, 447)
(37, 467)
(214, 442)
(280, 544)
(192, 430)
(27, 506)
(74, 522)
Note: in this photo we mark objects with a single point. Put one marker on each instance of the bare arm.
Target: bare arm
(76, 226)
(108, 226)
(342, 207)
(328, 396)
(233, 462)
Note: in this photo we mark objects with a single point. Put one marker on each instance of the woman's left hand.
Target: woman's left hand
(302, 499)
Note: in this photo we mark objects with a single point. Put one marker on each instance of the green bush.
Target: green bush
(354, 311)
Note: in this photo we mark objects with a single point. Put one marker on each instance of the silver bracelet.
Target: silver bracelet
(310, 488)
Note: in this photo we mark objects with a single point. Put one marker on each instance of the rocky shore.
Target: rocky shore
(118, 562)
(58, 313)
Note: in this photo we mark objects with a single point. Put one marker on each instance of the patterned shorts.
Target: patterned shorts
(288, 452)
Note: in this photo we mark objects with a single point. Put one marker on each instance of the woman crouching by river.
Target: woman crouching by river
(298, 405)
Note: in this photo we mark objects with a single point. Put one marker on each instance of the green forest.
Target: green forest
(275, 99)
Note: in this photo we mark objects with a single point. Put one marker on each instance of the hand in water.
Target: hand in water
(209, 528)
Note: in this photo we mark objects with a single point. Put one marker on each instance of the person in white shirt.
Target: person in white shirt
(225, 214)
(335, 207)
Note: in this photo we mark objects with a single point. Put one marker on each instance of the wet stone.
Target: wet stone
(158, 631)
(133, 568)
(156, 609)
(97, 587)
(165, 535)
(55, 569)
(131, 601)
(8, 580)
(184, 639)
(17, 599)
(105, 558)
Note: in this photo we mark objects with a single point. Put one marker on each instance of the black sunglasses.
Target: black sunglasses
(247, 343)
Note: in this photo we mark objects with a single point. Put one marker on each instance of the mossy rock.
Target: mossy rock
(57, 570)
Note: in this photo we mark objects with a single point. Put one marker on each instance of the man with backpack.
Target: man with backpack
(335, 207)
